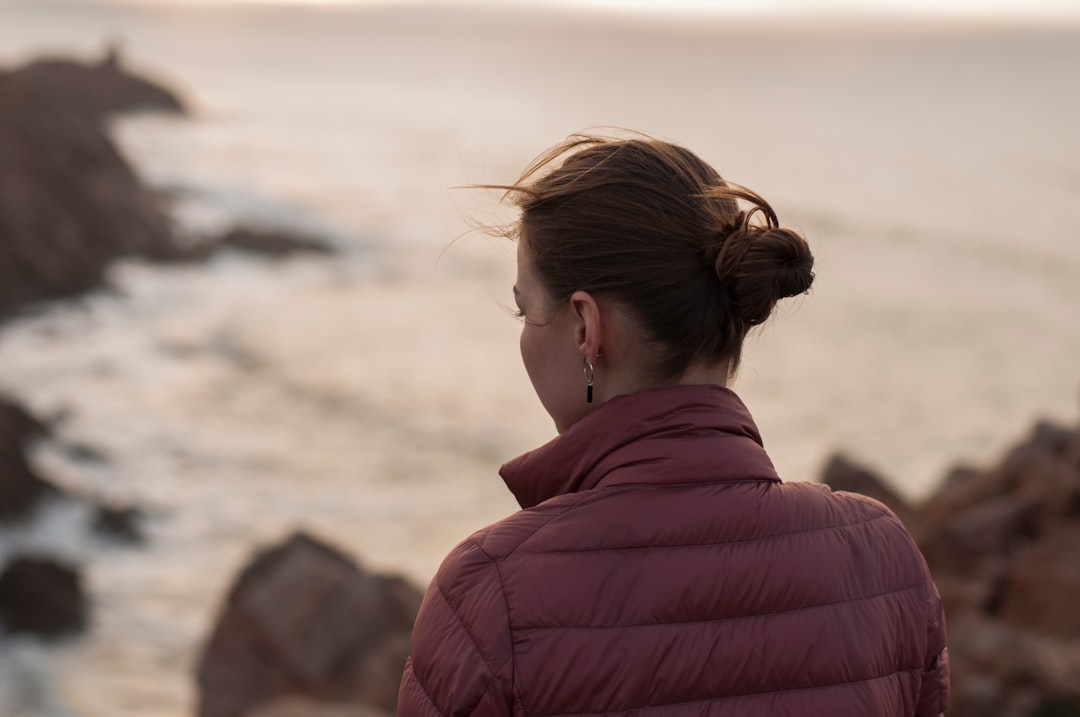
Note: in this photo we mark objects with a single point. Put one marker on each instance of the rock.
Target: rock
(1071, 454)
(379, 674)
(979, 695)
(841, 473)
(1061, 706)
(996, 670)
(41, 597)
(957, 477)
(1003, 544)
(99, 91)
(305, 620)
(1051, 437)
(1052, 486)
(272, 242)
(21, 489)
(1042, 586)
(121, 523)
(965, 488)
(69, 203)
(1028, 461)
(990, 530)
(985, 514)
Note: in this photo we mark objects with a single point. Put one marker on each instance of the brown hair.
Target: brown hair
(651, 225)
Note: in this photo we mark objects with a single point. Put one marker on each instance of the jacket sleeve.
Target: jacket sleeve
(934, 693)
(461, 661)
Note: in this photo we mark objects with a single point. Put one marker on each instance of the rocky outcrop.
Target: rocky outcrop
(119, 523)
(268, 242)
(95, 92)
(271, 242)
(1003, 544)
(42, 597)
(21, 489)
(38, 595)
(69, 202)
(306, 623)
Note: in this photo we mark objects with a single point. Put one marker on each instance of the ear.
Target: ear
(588, 324)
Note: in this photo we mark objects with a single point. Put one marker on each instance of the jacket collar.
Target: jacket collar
(669, 435)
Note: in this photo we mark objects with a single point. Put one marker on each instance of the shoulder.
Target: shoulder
(502, 539)
(870, 529)
(461, 653)
(461, 648)
(822, 507)
(469, 579)
(847, 503)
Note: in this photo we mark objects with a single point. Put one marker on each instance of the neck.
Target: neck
(616, 382)
(705, 373)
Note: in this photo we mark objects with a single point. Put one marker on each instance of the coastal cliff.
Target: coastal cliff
(70, 204)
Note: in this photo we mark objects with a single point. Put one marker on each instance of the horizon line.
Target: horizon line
(986, 11)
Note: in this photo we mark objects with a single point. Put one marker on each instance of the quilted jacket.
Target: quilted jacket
(660, 567)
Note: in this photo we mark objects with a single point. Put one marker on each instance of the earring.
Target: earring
(589, 372)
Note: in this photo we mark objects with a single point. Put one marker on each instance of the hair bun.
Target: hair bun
(757, 266)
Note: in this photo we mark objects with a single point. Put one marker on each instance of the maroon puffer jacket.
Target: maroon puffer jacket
(660, 567)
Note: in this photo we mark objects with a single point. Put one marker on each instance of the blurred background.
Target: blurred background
(928, 150)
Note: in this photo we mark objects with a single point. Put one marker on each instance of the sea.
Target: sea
(370, 397)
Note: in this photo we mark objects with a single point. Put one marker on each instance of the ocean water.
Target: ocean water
(371, 397)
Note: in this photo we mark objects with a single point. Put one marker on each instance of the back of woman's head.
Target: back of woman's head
(696, 260)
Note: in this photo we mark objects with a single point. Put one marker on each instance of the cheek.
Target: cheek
(523, 346)
(541, 366)
(529, 352)
(552, 376)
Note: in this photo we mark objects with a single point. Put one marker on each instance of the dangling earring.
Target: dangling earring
(589, 372)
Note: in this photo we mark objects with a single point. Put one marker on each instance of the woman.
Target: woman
(658, 565)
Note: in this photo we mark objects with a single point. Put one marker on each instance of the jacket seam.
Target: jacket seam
(502, 587)
(628, 548)
(472, 640)
(483, 693)
(424, 692)
(582, 496)
(733, 697)
(684, 484)
(460, 622)
(506, 606)
(734, 618)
